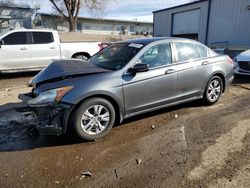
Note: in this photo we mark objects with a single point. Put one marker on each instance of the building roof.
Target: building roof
(195, 2)
(15, 5)
(101, 19)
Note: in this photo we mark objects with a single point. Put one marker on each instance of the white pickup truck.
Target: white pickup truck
(26, 49)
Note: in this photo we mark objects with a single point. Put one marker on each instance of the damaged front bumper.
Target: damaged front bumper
(51, 119)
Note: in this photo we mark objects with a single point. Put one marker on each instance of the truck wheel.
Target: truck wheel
(81, 56)
(213, 90)
(94, 119)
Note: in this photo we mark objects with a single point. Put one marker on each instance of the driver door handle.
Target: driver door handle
(170, 71)
(205, 63)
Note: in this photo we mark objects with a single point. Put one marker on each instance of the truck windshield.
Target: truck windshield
(115, 56)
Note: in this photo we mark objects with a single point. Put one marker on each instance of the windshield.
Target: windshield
(116, 56)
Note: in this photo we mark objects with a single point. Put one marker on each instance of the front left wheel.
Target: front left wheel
(94, 118)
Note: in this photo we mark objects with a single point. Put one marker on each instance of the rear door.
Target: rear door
(15, 52)
(193, 68)
(153, 88)
(43, 49)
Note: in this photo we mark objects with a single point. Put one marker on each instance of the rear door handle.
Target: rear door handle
(205, 63)
(52, 47)
(170, 71)
(23, 48)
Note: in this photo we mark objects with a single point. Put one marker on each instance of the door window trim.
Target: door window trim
(26, 41)
(171, 58)
(148, 47)
(33, 41)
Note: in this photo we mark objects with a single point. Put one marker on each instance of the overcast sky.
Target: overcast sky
(121, 9)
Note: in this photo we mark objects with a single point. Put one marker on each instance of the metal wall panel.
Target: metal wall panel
(186, 22)
(230, 21)
(163, 20)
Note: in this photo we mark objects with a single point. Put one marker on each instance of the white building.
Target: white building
(14, 16)
(94, 25)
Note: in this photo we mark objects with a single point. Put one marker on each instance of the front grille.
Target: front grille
(244, 65)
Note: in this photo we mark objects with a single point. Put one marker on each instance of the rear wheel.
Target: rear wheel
(213, 90)
(94, 119)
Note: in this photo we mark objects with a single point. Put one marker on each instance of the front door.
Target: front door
(15, 52)
(155, 87)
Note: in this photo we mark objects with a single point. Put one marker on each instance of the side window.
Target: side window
(17, 38)
(186, 51)
(158, 55)
(42, 37)
(202, 51)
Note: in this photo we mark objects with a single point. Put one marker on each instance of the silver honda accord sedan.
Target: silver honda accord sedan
(123, 80)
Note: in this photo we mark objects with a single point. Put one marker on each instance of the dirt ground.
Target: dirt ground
(189, 145)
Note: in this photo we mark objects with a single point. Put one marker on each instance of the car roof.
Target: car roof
(31, 30)
(146, 41)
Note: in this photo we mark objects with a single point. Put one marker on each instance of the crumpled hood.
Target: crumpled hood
(61, 69)
(243, 56)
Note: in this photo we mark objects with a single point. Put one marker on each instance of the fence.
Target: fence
(72, 36)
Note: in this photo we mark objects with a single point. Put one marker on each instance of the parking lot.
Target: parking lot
(189, 145)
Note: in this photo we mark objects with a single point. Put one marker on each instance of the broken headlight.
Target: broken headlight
(48, 97)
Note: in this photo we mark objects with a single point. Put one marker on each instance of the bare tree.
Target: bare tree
(69, 9)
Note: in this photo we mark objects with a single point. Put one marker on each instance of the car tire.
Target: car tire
(213, 91)
(94, 119)
(81, 57)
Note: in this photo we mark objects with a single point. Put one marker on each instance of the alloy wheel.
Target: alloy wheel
(95, 119)
(214, 90)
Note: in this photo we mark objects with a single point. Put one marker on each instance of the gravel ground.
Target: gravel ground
(189, 145)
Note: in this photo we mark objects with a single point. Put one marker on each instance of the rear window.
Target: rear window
(18, 38)
(42, 37)
(202, 51)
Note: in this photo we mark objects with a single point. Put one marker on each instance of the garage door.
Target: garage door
(186, 22)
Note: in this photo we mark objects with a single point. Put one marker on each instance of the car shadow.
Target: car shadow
(240, 81)
(171, 109)
(17, 132)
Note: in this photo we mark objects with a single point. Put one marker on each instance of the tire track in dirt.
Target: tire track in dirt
(241, 180)
(214, 157)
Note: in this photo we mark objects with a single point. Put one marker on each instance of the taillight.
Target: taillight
(230, 61)
(101, 46)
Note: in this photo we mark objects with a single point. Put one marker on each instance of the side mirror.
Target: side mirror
(141, 67)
